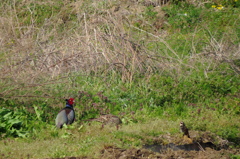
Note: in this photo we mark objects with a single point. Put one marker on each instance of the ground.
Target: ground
(176, 148)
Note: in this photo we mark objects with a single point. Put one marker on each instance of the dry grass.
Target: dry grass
(104, 40)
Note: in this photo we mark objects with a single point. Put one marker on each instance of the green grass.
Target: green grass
(153, 68)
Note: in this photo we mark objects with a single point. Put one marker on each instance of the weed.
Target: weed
(150, 14)
(13, 123)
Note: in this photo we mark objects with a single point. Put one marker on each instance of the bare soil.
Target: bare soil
(112, 152)
(173, 147)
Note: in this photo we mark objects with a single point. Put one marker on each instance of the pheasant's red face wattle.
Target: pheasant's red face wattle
(71, 101)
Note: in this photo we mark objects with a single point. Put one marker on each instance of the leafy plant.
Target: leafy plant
(12, 123)
(183, 16)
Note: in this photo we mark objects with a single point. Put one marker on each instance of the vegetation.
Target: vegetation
(152, 64)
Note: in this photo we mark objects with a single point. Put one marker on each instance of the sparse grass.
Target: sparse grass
(152, 66)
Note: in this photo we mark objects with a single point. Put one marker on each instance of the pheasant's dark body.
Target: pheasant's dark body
(66, 115)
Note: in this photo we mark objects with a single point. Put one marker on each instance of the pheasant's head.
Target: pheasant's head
(70, 101)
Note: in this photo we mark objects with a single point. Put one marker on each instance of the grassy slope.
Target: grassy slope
(156, 67)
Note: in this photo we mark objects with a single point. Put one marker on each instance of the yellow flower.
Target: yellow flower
(219, 7)
(213, 6)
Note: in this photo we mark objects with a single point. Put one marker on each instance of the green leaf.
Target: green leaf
(38, 112)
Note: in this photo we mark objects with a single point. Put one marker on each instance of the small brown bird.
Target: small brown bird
(184, 129)
(108, 119)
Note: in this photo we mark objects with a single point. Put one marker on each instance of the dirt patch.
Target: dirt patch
(173, 147)
(112, 152)
(133, 153)
(202, 145)
(73, 158)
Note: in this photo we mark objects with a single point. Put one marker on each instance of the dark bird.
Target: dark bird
(66, 115)
(184, 129)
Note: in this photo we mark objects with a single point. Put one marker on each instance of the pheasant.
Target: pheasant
(107, 119)
(66, 115)
(184, 129)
